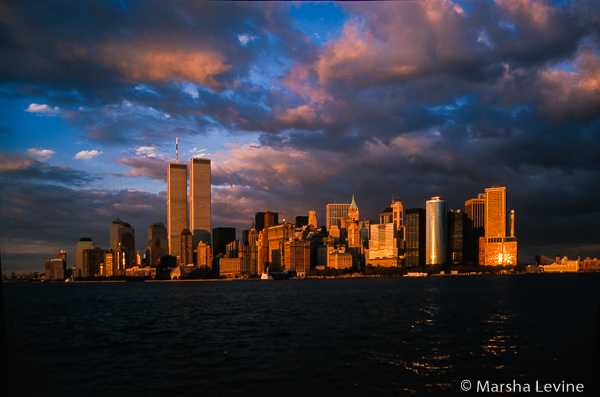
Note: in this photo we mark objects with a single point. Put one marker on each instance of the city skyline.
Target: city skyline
(297, 106)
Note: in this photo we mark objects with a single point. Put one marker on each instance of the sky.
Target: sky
(297, 105)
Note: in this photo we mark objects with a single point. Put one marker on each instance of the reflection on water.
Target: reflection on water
(320, 337)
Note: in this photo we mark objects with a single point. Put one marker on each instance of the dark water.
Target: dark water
(358, 337)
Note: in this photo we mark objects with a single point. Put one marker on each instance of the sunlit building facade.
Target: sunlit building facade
(499, 249)
(383, 242)
(334, 213)
(436, 231)
(200, 200)
(176, 205)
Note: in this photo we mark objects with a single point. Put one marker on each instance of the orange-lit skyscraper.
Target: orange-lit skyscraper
(200, 199)
(176, 205)
(499, 249)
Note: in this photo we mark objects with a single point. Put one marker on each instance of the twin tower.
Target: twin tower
(199, 203)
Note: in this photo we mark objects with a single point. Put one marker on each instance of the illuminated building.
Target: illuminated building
(176, 205)
(353, 210)
(312, 218)
(387, 216)
(415, 237)
(56, 269)
(335, 212)
(186, 256)
(383, 242)
(276, 237)
(203, 255)
(475, 210)
(498, 248)
(436, 231)
(297, 256)
(398, 214)
(340, 260)
(158, 243)
(200, 200)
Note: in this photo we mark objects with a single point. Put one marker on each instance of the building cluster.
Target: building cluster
(415, 237)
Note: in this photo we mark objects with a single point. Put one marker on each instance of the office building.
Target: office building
(301, 220)
(436, 231)
(457, 236)
(383, 242)
(415, 237)
(176, 205)
(186, 251)
(158, 243)
(203, 255)
(221, 237)
(353, 210)
(312, 219)
(297, 256)
(200, 200)
(475, 210)
(398, 214)
(498, 249)
(265, 220)
(83, 244)
(334, 213)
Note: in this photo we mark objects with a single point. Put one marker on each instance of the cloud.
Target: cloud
(41, 154)
(87, 154)
(14, 167)
(42, 109)
(166, 65)
(147, 151)
(150, 167)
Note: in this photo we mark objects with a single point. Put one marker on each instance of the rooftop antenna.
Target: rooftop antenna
(176, 149)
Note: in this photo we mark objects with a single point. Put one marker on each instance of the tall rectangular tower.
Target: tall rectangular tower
(415, 237)
(495, 212)
(335, 212)
(498, 249)
(200, 200)
(475, 210)
(176, 205)
(436, 231)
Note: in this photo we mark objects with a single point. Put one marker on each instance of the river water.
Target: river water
(340, 337)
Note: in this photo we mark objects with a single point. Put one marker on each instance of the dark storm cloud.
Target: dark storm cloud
(26, 168)
(40, 218)
(413, 100)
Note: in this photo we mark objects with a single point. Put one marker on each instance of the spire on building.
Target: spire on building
(353, 203)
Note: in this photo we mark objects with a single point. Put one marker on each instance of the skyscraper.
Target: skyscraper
(83, 244)
(436, 231)
(158, 243)
(176, 205)
(475, 210)
(398, 212)
(353, 210)
(265, 220)
(200, 200)
(498, 248)
(312, 218)
(186, 256)
(334, 213)
(415, 237)
(457, 233)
